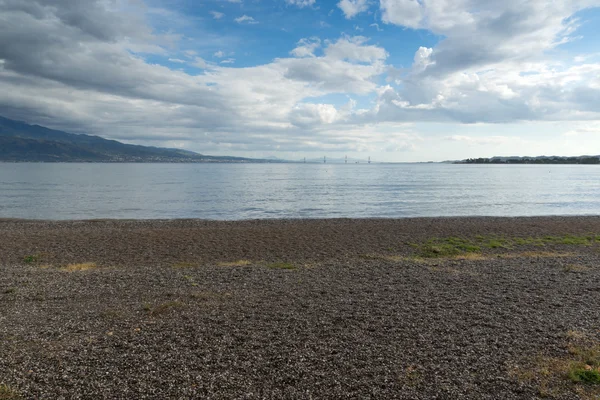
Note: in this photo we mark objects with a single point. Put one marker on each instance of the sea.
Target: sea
(65, 191)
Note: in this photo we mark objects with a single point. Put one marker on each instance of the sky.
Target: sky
(394, 80)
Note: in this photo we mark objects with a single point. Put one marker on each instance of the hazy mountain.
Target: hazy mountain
(23, 142)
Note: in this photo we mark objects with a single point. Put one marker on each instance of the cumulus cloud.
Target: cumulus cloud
(351, 8)
(246, 19)
(492, 63)
(306, 47)
(217, 14)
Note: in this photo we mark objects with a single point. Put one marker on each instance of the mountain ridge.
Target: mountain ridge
(23, 142)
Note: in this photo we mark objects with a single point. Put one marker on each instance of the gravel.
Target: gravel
(160, 318)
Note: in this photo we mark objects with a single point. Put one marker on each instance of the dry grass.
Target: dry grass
(578, 372)
(8, 393)
(536, 254)
(471, 257)
(80, 267)
(238, 263)
(576, 268)
(281, 265)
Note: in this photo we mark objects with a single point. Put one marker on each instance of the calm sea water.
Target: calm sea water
(247, 191)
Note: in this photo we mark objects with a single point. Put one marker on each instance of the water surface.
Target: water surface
(247, 191)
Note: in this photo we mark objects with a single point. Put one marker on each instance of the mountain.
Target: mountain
(22, 142)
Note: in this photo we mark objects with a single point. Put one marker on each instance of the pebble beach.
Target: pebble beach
(298, 309)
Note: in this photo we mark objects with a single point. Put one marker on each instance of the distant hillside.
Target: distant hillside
(533, 160)
(20, 142)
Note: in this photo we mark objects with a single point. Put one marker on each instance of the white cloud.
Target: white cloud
(200, 63)
(246, 19)
(351, 8)
(301, 3)
(486, 140)
(591, 128)
(355, 49)
(306, 47)
(494, 64)
(217, 14)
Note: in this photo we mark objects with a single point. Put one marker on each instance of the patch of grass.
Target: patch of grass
(540, 254)
(451, 247)
(583, 373)
(471, 257)
(31, 259)
(80, 267)
(8, 393)
(238, 263)
(577, 372)
(497, 243)
(445, 248)
(575, 268)
(111, 314)
(529, 241)
(412, 376)
(185, 264)
(164, 308)
(281, 265)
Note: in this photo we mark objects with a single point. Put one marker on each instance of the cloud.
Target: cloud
(306, 47)
(301, 3)
(479, 140)
(584, 129)
(491, 64)
(200, 63)
(246, 19)
(217, 14)
(56, 73)
(85, 68)
(351, 8)
(356, 49)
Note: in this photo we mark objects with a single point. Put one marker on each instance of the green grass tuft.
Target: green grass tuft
(31, 259)
(583, 373)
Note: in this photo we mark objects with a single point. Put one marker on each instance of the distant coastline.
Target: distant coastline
(587, 160)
